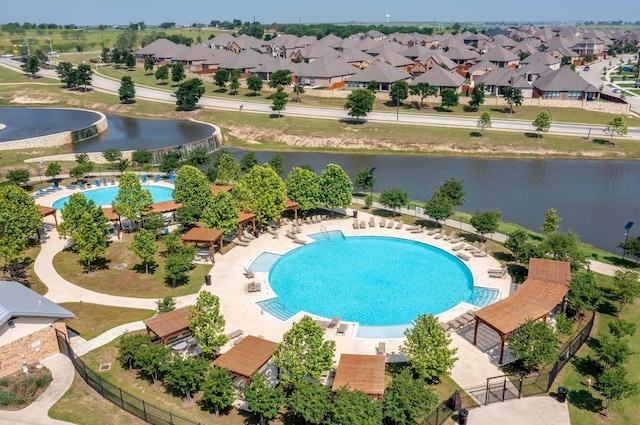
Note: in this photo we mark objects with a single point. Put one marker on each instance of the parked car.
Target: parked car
(586, 68)
(616, 90)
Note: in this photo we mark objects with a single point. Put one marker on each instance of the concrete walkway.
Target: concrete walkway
(524, 411)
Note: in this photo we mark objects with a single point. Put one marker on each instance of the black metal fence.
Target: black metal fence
(128, 402)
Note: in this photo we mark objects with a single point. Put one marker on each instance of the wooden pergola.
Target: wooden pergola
(546, 286)
(47, 211)
(291, 205)
(361, 372)
(246, 357)
(168, 325)
(163, 207)
(112, 217)
(206, 236)
(217, 188)
(245, 217)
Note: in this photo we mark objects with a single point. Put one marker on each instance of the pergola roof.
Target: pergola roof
(245, 216)
(549, 270)
(290, 205)
(247, 356)
(361, 372)
(110, 214)
(216, 188)
(45, 211)
(169, 324)
(165, 206)
(202, 235)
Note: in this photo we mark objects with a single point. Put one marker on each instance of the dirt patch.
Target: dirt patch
(24, 98)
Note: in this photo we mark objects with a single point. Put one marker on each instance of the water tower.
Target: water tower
(386, 18)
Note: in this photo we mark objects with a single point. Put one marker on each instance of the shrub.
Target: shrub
(6, 398)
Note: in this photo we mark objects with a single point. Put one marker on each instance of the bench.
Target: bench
(235, 334)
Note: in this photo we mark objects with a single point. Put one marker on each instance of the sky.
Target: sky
(153, 12)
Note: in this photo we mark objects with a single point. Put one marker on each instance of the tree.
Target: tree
(18, 176)
(142, 157)
(132, 200)
(484, 122)
(280, 78)
(221, 77)
(551, 221)
(449, 98)
(477, 97)
(177, 72)
(335, 187)
(372, 86)
(169, 162)
(31, 66)
(298, 89)
(616, 127)
(303, 352)
(83, 76)
(513, 97)
(149, 63)
(365, 179)
(234, 82)
(399, 91)
(359, 103)
(223, 213)
(354, 407)
(198, 156)
(394, 198)
(207, 323)
(613, 385)
(263, 398)
(178, 264)
(112, 155)
(303, 187)
(247, 162)
(439, 207)
(279, 100)
(613, 352)
(564, 247)
(186, 375)
(454, 190)
(277, 163)
(310, 402)
(128, 346)
(486, 222)
(90, 238)
(53, 169)
(192, 190)
(162, 73)
(620, 328)
(166, 304)
(151, 358)
(517, 242)
(189, 93)
(542, 123)
(627, 287)
(144, 246)
(153, 221)
(217, 390)
(632, 247)
(406, 400)
(534, 344)
(427, 349)
(127, 90)
(20, 218)
(262, 192)
(130, 61)
(64, 71)
(423, 90)
(227, 168)
(254, 84)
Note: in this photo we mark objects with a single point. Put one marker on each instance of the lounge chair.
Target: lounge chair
(323, 324)
(235, 334)
(158, 178)
(383, 222)
(456, 240)
(390, 224)
(497, 273)
(457, 247)
(97, 183)
(450, 236)
(71, 187)
(462, 256)
(253, 287)
(469, 316)
(441, 235)
(248, 273)
(356, 225)
(290, 235)
(334, 322)
(113, 182)
(472, 247)
(399, 225)
(145, 178)
(453, 324)
(382, 349)
(299, 241)
(80, 185)
(240, 242)
(433, 231)
(247, 235)
(342, 329)
(104, 181)
(444, 326)
(372, 222)
(299, 222)
(363, 225)
(417, 230)
(478, 253)
(410, 228)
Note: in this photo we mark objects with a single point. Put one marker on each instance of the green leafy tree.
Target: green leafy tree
(262, 192)
(335, 187)
(189, 93)
(53, 169)
(564, 325)
(407, 400)
(31, 66)
(142, 157)
(217, 390)
(427, 349)
(130, 61)
(223, 213)
(354, 407)
(359, 103)
(192, 190)
(303, 187)
(542, 123)
(551, 221)
(398, 92)
(365, 179)
(162, 74)
(166, 304)
(372, 86)
(83, 76)
(517, 242)
(616, 127)
(449, 98)
(132, 200)
(279, 100)
(64, 71)
(177, 72)
(439, 207)
(477, 97)
(248, 161)
(534, 344)
(144, 246)
(620, 328)
(19, 176)
(20, 218)
(122, 165)
(280, 78)
(454, 190)
(151, 358)
(112, 155)
(613, 352)
(169, 162)
(632, 247)
(298, 90)
(303, 352)
(198, 156)
(423, 90)
(277, 163)
(153, 221)
(90, 238)
(264, 399)
(227, 168)
(484, 122)
(128, 347)
(564, 247)
(513, 97)
(178, 264)
(221, 78)
(310, 402)
(149, 64)
(254, 84)
(486, 221)
(613, 385)
(394, 198)
(127, 89)
(234, 83)
(627, 287)
(186, 375)
(207, 323)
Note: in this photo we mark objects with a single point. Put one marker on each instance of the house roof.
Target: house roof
(414, 51)
(326, 67)
(223, 39)
(393, 59)
(318, 50)
(563, 79)
(438, 57)
(199, 52)
(482, 66)
(385, 46)
(169, 324)
(360, 372)
(355, 55)
(499, 54)
(247, 59)
(381, 72)
(275, 64)
(545, 57)
(218, 56)
(161, 45)
(16, 300)
(461, 54)
(502, 77)
(440, 78)
(247, 356)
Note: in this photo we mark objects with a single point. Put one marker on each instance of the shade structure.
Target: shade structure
(165, 206)
(217, 188)
(201, 235)
(291, 205)
(245, 217)
(168, 325)
(361, 372)
(246, 357)
(46, 211)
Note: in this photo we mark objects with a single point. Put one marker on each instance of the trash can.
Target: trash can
(562, 394)
(207, 279)
(355, 214)
(462, 416)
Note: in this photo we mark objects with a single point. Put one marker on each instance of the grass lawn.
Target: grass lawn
(586, 406)
(122, 273)
(93, 319)
(34, 281)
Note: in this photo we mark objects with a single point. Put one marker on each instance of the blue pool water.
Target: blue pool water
(105, 195)
(376, 281)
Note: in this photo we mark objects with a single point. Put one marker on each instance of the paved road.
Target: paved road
(110, 85)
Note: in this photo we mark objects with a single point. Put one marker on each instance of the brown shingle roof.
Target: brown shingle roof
(169, 324)
(361, 372)
(202, 235)
(164, 206)
(246, 357)
(549, 271)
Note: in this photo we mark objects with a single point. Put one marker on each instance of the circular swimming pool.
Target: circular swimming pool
(104, 196)
(376, 281)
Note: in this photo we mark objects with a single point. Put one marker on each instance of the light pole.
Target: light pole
(397, 107)
(627, 227)
(370, 178)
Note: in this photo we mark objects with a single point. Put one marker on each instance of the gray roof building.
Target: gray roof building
(381, 72)
(326, 67)
(563, 80)
(393, 59)
(439, 77)
(17, 300)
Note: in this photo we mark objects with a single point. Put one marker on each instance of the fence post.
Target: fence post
(144, 410)
(121, 399)
(486, 394)
(520, 386)
(504, 387)
(170, 418)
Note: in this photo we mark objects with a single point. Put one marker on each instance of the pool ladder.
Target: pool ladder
(324, 230)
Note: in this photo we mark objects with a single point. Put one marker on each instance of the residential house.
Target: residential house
(501, 57)
(245, 61)
(193, 56)
(431, 59)
(217, 57)
(324, 72)
(441, 79)
(381, 72)
(533, 71)
(394, 59)
(504, 41)
(475, 40)
(564, 84)
(545, 58)
(496, 80)
(385, 47)
(479, 69)
(590, 46)
(244, 42)
(462, 55)
(162, 50)
(356, 58)
(271, 65)
(221, 41)
(317, 50)
(414, 51)
(29, 327)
